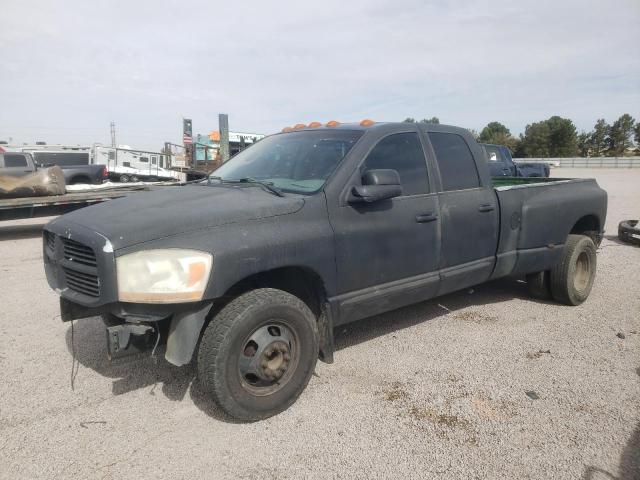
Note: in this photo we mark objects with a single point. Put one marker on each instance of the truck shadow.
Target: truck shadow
(86, 344)
(142, 371)
(497, 291)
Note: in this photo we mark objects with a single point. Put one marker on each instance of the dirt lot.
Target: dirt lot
(434, 390)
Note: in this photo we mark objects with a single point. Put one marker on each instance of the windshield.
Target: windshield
(297, 162)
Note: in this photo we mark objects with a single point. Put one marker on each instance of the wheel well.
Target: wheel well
(79, 179)
(588, 225)
(302, 282)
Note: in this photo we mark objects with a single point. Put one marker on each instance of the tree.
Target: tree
(434, 120)
(563, 137)
(493, 129)
(637, 134)
(599, 138)
(584, 144)
(535, 141)
(620, 135)
(497, 134)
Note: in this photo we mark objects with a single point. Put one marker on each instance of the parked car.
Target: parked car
(501, 163)
(21, 163)
(250, 271)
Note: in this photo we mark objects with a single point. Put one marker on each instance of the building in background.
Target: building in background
(208, 146)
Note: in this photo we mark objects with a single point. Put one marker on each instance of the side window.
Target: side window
(154, 160)
(15, 160)
(144, 159)
(401, 152)
(455, 161)
(126, 164)
(493, 154)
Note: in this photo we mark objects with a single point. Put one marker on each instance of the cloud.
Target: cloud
(67, 72)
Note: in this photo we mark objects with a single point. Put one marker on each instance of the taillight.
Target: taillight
(105, 173)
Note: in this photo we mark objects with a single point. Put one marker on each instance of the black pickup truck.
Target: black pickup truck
(76, 170)
(250, 271)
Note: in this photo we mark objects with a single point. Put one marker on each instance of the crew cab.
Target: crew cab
(250, 271)
(23, 163)
(501, 163)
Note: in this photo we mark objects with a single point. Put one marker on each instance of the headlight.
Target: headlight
(163, 276)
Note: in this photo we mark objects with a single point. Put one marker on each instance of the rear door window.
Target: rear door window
(15, 160)
(458, 169)
(403, 153)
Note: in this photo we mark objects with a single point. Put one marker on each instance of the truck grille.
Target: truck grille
(81, 282)
(79, 253)
(72, 264)
(49, 239)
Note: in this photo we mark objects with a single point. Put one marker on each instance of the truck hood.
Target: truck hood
(145, 216)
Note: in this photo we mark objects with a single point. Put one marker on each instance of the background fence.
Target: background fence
(581, 162)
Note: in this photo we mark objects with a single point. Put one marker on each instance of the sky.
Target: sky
(67, 69)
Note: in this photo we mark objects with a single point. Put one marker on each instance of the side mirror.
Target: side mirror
(376, 185)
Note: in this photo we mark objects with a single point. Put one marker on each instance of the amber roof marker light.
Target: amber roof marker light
(298, 126)
(367, 122)
(315, 125)
(287, 130)
(332, 123)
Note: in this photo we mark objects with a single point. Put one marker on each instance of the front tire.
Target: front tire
(572, 278)
(257, 355)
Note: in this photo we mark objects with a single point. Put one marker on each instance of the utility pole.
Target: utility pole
(223, 126)
(187, 141)
(113, 134)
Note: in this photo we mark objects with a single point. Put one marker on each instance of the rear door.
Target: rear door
(469, 213)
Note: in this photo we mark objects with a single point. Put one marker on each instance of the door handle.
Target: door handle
(426, 217)
(487, 207)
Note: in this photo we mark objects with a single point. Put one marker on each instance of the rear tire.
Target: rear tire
(124, 178)
(257, 355)
(134, 178)
(572, 278)
(539, 285)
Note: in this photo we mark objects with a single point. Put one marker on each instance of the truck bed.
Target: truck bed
(537, 215)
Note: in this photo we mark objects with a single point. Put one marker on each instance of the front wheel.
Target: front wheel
(572, 278)
(257, 355)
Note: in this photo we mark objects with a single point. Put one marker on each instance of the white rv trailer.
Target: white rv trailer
(126, 165)
(123, 164)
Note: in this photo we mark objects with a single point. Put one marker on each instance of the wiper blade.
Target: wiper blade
(266, 185)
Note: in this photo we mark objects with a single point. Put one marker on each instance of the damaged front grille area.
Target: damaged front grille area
(81, 282)
(79, 253)
(76, 264)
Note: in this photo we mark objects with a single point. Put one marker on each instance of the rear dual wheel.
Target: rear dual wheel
(571, 280)
(257, 355)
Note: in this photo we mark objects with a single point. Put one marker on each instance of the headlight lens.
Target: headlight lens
(163, 275)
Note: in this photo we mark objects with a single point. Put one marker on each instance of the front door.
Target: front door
(387, 252)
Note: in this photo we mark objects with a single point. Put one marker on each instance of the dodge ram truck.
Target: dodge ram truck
(248, 272)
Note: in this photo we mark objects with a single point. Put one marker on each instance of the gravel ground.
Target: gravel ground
(433, 390)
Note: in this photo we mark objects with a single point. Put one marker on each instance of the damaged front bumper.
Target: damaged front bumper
(140, 330)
